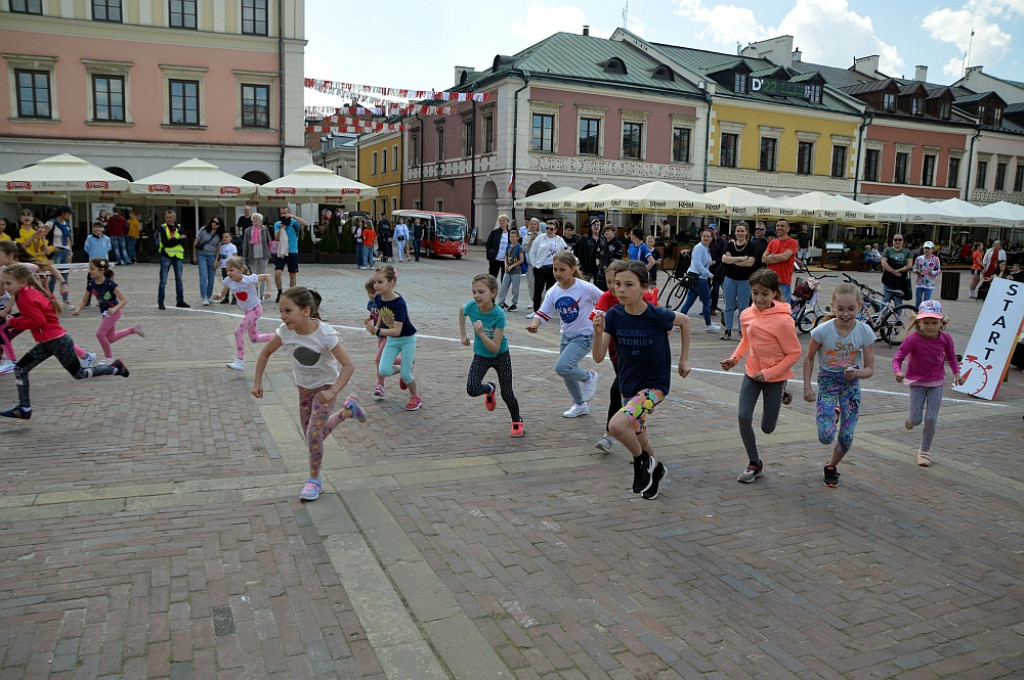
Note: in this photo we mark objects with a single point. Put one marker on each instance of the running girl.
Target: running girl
(769, 335)
(926, 348)
(39, 315)
(244, 287)
(847, 348)
(573, 299)
(393, 323)
(373, 314)
(316, 354)
(640, 331)
(110, 300)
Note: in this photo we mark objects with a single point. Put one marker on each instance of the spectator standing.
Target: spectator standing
(63, 236)
(369, 237)
(204, 254)
(542, 254)
(586, 249)
(134, 232)
(803, 242)
(289, 225)
(402, 239)
(383, 240)
(741, 259)
(243, 222)
(256, 248)
(609, 248)
(717, 249)
(418, 229)
(780, 257)
(171, 240)
(117, 230)
(896, 264)
(760, 239)
(497, 244)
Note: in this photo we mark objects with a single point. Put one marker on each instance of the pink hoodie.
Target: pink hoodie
(770, 337)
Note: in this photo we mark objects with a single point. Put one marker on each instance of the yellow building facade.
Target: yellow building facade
(380, 166)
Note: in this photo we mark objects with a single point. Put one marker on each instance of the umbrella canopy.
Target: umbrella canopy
(583, 200)
(829, 207)
(659, 197)
(973, 215)
(194, 179)
(742, 203)
(1009, 211)
(314, 184)
(910, 210)
(63, 175)
(546, 199)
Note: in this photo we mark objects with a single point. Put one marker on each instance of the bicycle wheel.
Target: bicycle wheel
(675, 297)
(807, 320)
(895, 322)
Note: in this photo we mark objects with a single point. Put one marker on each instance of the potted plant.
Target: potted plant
(307, 251)
(331, 250)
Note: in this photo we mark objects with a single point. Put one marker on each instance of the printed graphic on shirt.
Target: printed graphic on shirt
(633, 341)
(306, 356)
(568, 308)
(387, 317)
(842, 354)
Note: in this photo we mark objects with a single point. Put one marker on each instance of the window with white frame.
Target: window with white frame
(899, 172)
(439, 128)
(979, 181)
(804, 158)
(33, 94)
(928, 170)
(769, 154)
(542, 137)
(489, 133)
(681, 144)
(109, 92)
(1018, 180)
(872, 164)
(184, 102)
(953, 173)
(468, 134)
(383, 161)
(839, 153)
(634, 139)
(728, 155)
(394, 157)
(182, 13)
(373, 163)
(1000, 183)
(256, 106)
(414, 148)
(590, 136)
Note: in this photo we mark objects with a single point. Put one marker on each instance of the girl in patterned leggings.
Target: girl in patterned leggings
(39, 315)
(847, 353)
(316, 355)
(244, 286)
(490, 348)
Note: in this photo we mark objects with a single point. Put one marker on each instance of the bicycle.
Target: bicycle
(806, 311)
(676, 286)
(890, 319)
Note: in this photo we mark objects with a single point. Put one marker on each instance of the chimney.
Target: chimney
(866, 65)
(586, 29)
(798, 56)
(463, 73)
(921, 73)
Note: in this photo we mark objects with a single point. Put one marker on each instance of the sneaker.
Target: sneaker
(6, 366)
(17, 412)
(517, 429)
(589, 390)
(237, 365)
(652, 491)
(414, 404)
(119, 368)
(206, 302)
(643, 467)
(311, 490)
(924, 458)
(512, 309)
(531, 315)
(88, 359)
(402, 385)
(105, 361)
(138, 330)
(712, 328)
(831, 478)
(183, 305)
(161, 307)
(489, 401)
(577, 410)
(378, 392)
(352, 404)
(503, 306)
(750, 474)
(605, 444)
(279, 291)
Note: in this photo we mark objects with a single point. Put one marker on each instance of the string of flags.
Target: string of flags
(342, 89)
(362, 127)
(380, 111)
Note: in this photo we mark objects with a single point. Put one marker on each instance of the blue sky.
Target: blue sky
(418, 44)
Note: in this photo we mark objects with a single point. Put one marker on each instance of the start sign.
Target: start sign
(988, 353)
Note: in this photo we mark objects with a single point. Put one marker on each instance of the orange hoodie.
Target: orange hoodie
(770, 337)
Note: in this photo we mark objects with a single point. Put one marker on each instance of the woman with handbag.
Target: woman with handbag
(742, 258)
(700, 266)
(256, 248)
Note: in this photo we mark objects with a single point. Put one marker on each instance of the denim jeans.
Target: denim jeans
(179, 289)
(787, 293)
(702, 290)
(572, 351)
(129, 244)
(922, 294)
(60, 256)
(206, 274)
(119, 250)
(737, 298)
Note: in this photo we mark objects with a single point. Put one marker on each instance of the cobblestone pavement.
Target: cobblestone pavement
(150, 527)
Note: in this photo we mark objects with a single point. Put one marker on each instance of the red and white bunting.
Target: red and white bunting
(356, 129)
(332, 87)
(378, 111)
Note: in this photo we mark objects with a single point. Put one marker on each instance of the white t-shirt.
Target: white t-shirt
(313, 365)
(574, 307)
(245, 291)
(225, 251)
(839, 352)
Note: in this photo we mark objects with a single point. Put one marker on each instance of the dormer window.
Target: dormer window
(888, 101)
(917, 106)
(997, 116)
(662, 72)
(944, 110)
(739, 82)
(614, 65)
(981, 113)
(813, 93)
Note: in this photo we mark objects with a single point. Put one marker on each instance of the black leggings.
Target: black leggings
(64, 349)
(543, 278)
(614, 398)
(502, 365)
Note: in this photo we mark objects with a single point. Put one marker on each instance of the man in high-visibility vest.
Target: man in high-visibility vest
(171, 240)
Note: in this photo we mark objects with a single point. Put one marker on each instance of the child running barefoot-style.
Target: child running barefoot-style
(641, 334)
(927, 347)
(573, 299)
(316, 354)
(769, 336)
(604, 303)
(490, 348)
(39, 315)
(394, 324)
(110, 300)
(847, 349)
(373, 314)
(244, 286)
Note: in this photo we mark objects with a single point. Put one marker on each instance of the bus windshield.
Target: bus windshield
(453, 228)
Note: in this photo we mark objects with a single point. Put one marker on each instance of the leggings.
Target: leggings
(836, 391)
(919, 398)
(614, 398)
(107, 333)
(639, 406)
(317, 424)
(502, 365)
(404, 346)
(8, 333)
(750, 390)
(380, 350)
(64, 349)
(248, 325)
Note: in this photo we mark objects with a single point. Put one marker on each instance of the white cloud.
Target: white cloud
(540, 21)
(829, 32)
(990, 44)
(723, 25)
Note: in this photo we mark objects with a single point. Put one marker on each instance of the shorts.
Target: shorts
(292, 261)
(638, 407)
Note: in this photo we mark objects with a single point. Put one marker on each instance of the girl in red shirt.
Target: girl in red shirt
(39, 316)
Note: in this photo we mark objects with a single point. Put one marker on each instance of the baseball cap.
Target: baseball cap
(930, 309)
(928, 244)
(64, 209)
(596, 220)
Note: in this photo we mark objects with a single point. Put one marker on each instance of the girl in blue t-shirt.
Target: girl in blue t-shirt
(110, 300)
(490, 348)
(393, 323)
(641, 334)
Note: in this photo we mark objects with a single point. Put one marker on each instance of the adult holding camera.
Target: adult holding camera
(288, 227)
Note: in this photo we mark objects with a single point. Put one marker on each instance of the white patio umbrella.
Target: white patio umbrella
(830, 207)
(1009, 211)
(583, 200)
(193, 181)
(546, 199)
(910, 210)
(742, 203)
(658, 197)
(58, 179)
(314, 184)
(974, 215)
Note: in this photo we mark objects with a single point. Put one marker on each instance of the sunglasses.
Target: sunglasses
(551, 229)
(897, 239)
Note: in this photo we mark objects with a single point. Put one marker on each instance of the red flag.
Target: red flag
(512, 182)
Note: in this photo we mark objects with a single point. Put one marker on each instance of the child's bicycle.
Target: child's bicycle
(806, 311)
(889, 320)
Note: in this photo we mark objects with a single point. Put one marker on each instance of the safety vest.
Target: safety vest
(177, 251)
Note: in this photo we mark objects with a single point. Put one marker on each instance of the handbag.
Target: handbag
(689, 280)
(282, 243)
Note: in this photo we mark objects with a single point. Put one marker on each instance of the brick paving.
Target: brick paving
(149, 527)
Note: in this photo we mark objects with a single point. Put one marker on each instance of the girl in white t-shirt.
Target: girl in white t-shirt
(573, 299)
(225, 251)
(316, 354)
(244, 287)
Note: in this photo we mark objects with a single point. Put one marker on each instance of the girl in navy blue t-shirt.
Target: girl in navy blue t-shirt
(394, 324)
(110, 301)
(641, 334)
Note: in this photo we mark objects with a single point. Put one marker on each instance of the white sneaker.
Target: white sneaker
(605, 444)
(88, 359)
(206, 302)
(104, 362)
(713, 328)
(530, 315)
(138, 330)
(6, 366)
(590, 386)
(577, 410)
(237, 364)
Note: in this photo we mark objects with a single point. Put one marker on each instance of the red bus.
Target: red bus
(443, 234)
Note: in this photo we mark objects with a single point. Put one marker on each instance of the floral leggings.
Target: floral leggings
(317, 424)
(639, 406)
(248, 325)
(835, 390)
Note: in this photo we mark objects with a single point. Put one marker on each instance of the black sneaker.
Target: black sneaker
(278, 295)
(831, 478)
(119, 368)
(161, 307)
(17, 412)
(643, 466)
(652, 492)
(183, 305)
(503, 305)
(512, 308)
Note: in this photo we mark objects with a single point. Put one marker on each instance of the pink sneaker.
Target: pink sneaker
(378, 392)
(414, 404)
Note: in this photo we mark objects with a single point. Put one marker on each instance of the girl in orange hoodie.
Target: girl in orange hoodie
(770, 336)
